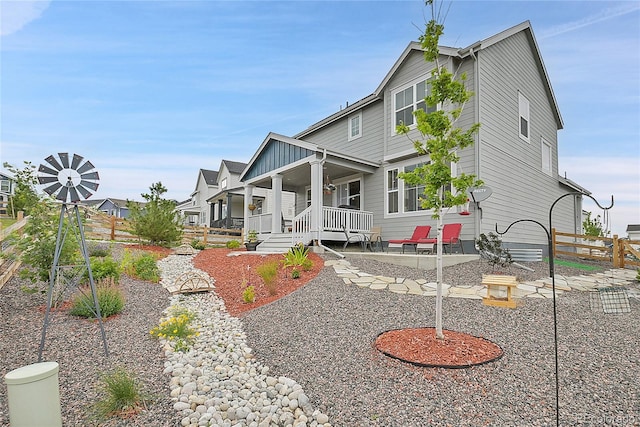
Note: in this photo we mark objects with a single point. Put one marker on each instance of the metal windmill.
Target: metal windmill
(69, 182)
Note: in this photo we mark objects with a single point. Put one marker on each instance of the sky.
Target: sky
(153, 90)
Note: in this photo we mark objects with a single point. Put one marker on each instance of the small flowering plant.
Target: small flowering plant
(177, 328)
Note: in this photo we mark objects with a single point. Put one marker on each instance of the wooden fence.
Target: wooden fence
(100, 226)
(620, 252)
(9, 261)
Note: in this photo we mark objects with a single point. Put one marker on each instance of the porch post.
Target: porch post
(276, 196)
(316, 199)
(248, 199)
(220, 212)
(228, 219)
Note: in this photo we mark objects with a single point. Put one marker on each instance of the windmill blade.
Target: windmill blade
(85, 193)
(53, 188)
(47, 170)
(53, 162)
(90, 175)
(62, 195)
(64, 158)
(89, 184)
(74, 195)
(76, 161)
(47, 179)
(86, 167)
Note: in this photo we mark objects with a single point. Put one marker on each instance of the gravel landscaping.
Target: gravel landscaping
(321, 336)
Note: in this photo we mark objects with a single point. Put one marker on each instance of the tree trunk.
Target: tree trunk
(439, 333)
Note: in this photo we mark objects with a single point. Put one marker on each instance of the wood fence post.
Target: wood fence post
(113, 227)
(553, 241)
(616, 251)
(204, 238)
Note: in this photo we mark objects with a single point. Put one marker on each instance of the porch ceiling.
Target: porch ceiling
(300, 175)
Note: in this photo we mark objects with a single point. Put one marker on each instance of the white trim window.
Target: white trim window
(410, 98)
(223, 184)
(547, 156)
(355, 126)
(524, 125)
(410, 202)
(348, 194)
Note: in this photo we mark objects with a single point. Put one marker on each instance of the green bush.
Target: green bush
(249, 294)
(104, 268)
(110, 300)
(232, 244)
(177, 328)
(141, 265)
(296, 256)
(98, 250)
(121, 395)
(155, 220)
(269, 273)
(197, 244)
(295, 273)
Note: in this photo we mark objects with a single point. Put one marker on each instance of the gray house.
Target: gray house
(7, 188)
(114, 207)
(344, 169)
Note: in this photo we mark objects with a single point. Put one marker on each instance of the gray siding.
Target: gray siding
(509, 165)
(368, 147)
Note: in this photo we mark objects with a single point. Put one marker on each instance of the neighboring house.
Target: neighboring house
(344, 169)
(114, 207)
(7, 188)
(633, 231)
(196, 210)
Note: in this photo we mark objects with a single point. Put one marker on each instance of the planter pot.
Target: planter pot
(251, 246)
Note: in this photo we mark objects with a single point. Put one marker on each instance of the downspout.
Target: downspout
(476, 85)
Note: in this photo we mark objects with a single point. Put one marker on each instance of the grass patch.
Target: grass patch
(573, 264)
(121, 396)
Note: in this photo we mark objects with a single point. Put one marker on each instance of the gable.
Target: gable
(276, 152)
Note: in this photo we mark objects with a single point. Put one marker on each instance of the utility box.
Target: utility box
(34, 396)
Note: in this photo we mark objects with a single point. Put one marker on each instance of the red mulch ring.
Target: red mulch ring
(229, 272)
(420, 347)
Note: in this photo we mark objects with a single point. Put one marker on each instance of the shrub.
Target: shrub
(110, 299)
(197, 244)
(155, 220)
(249, 294)
(232, 244)
(141, 265)
(104, 268)
(177, 328)
(99, 250)
(269, 272)
(295, 273)
(121, 395)
(296, 256)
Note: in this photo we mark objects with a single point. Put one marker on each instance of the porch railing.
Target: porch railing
(301, 227)
(355, 221)
(260, 223)
(333, 220)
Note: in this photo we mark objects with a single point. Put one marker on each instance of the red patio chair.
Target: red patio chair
(419, 233)
(450, 237)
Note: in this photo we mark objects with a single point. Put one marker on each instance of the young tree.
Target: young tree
(155, 220)
(440, 139)
(24, 197)
(593, 227)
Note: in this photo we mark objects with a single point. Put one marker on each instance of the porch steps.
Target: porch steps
(277, 242)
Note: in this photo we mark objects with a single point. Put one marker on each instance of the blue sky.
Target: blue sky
(155, 90)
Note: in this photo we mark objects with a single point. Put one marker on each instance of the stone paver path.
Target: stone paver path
(542, 288)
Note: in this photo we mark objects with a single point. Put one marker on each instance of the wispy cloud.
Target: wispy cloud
(16, 14)
(602, 15)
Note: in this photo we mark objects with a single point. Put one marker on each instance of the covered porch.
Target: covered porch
(329, 189)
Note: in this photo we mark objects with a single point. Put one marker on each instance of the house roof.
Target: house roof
(573, 185)
(633, 227)
(453, 52)
(210, 177)
(119, 203)
(234, 167)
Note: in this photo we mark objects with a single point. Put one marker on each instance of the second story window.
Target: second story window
(410, 98)
(355, 126)
(523, 113)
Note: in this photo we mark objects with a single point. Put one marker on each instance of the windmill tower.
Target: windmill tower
(69, 182)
